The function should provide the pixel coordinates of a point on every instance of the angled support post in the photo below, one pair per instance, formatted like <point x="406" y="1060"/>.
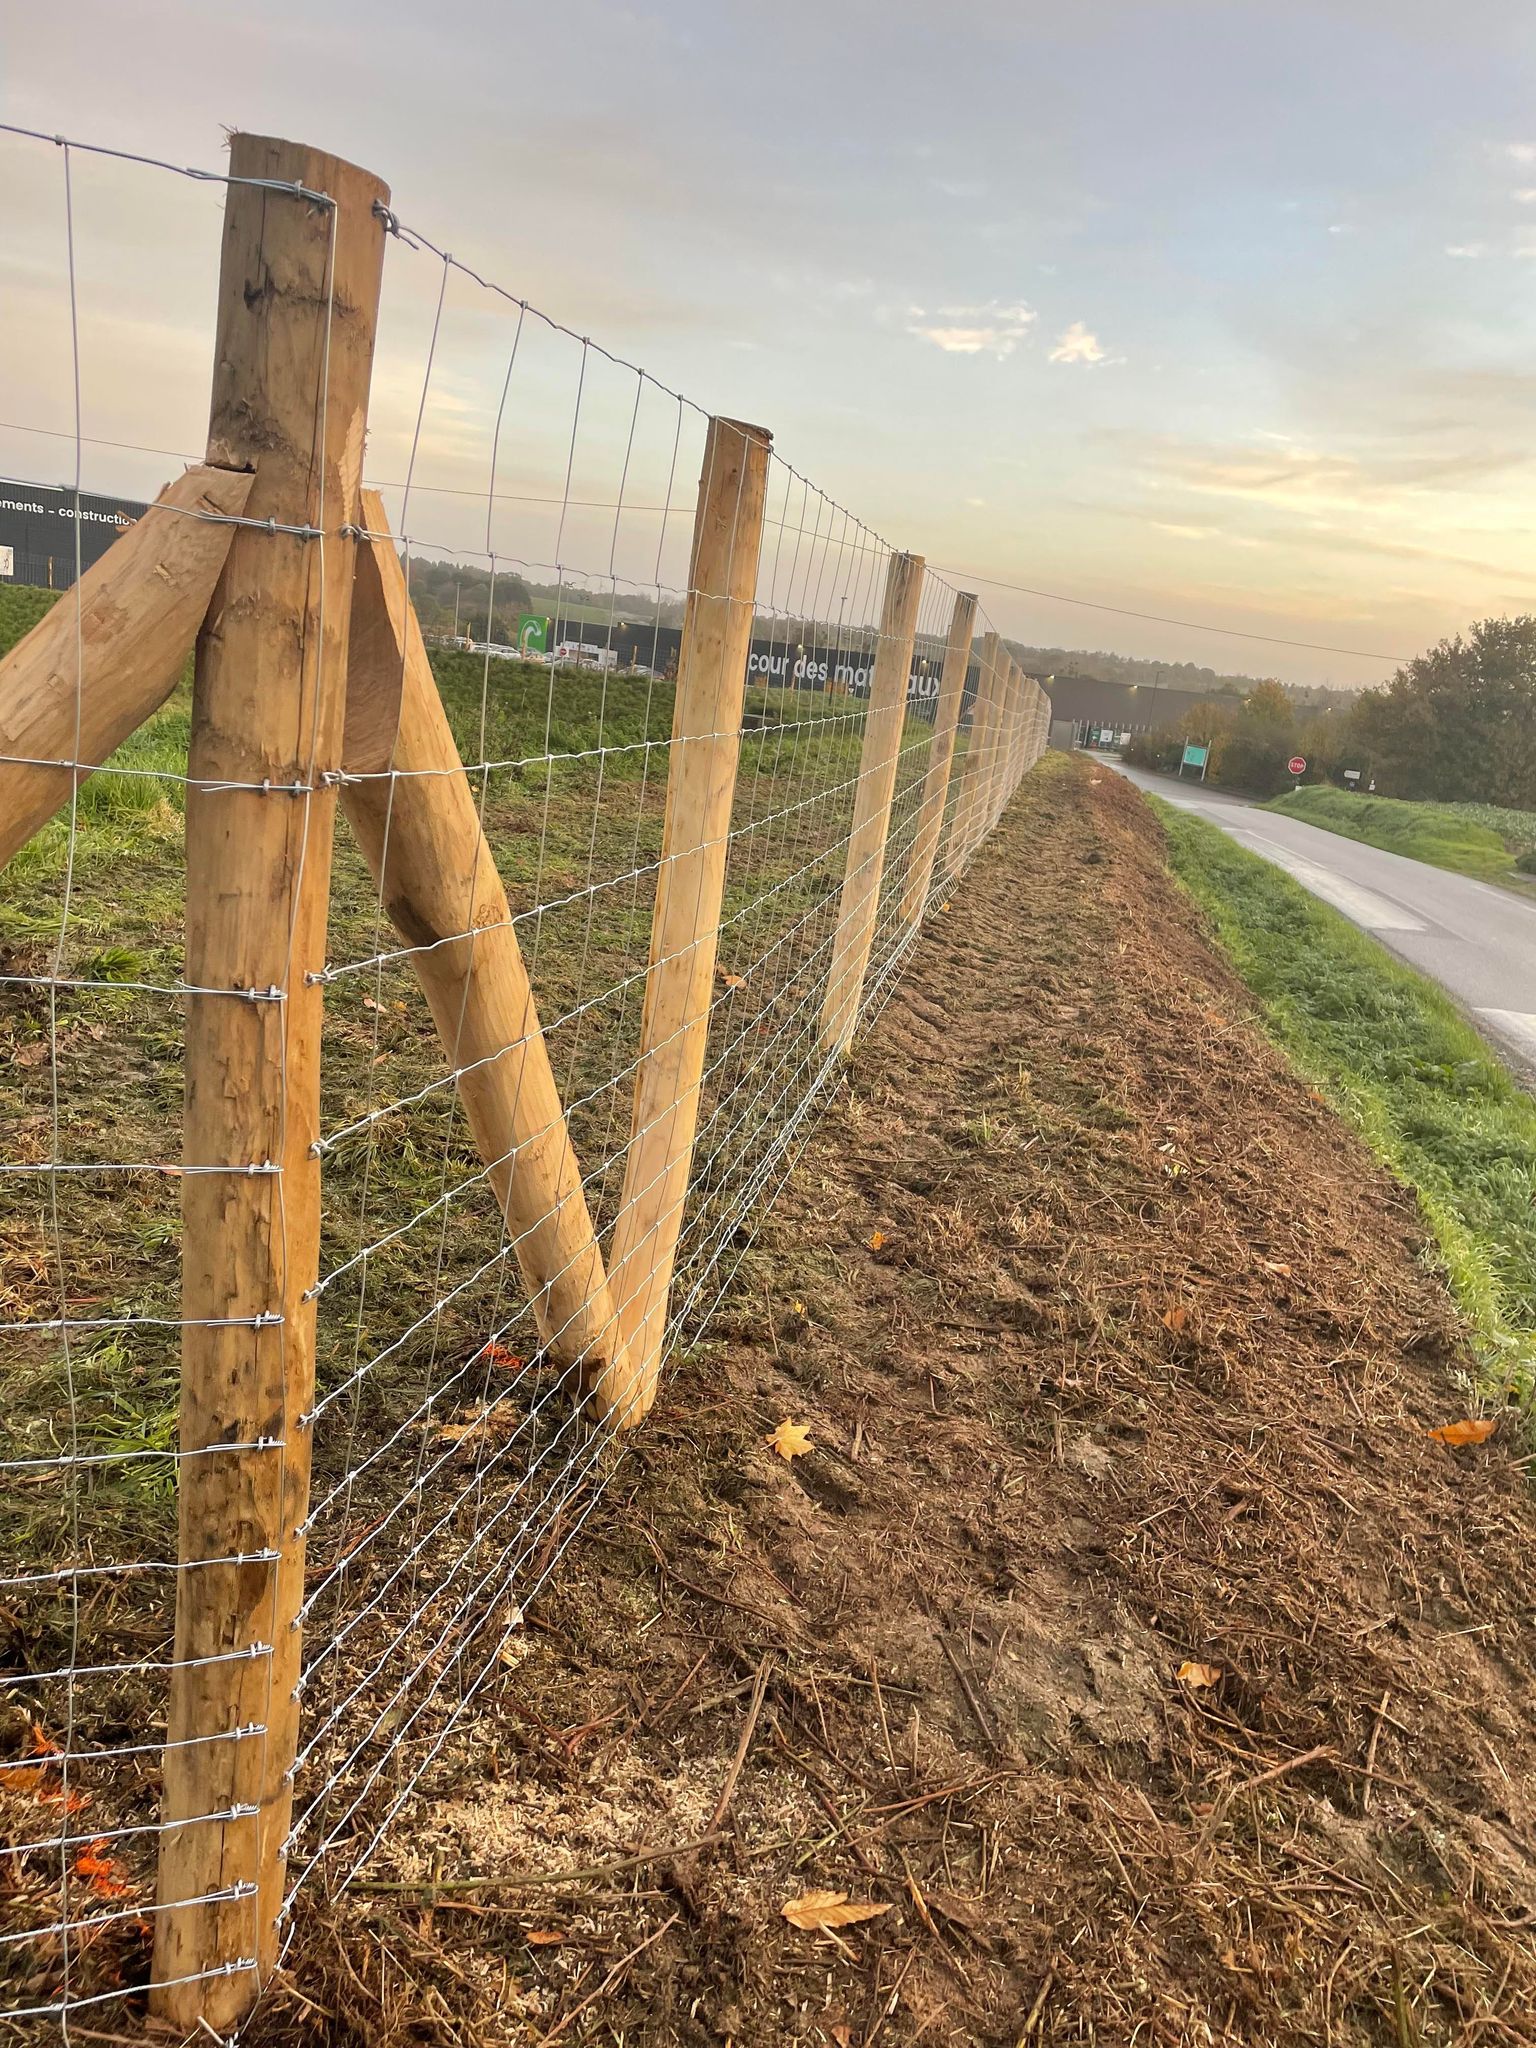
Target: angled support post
<point x="414" y="815"/>
<point x="111" y="650"/>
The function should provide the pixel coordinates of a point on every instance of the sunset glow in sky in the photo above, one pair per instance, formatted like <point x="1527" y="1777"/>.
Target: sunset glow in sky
<point x="1202" y="307"/>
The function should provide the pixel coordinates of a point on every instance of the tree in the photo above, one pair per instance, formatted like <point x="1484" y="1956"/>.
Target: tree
<point x="1459" y="723"/>
<point x="1254" y="748"/>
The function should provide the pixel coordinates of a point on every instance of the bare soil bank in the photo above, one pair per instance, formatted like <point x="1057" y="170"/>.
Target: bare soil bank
<point x="1117" y="1355"/>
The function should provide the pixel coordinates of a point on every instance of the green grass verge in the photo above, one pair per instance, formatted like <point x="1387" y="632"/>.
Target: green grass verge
<point x="1461" y="837"/>
<point x="1395" y="1055"/>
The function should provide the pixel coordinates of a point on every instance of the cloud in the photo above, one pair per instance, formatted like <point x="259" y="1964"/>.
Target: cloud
<point x="1321" y="481"/>
<point x="1524" y="195"/>
<point x="992" y="329"/>
<point x="1469" y="250"/>
<point x="1521" y="152"/>
<point x="1078" y="345"/>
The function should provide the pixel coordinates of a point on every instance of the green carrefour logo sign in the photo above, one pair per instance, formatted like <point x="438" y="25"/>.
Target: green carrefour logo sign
<point x="532" y="634"/>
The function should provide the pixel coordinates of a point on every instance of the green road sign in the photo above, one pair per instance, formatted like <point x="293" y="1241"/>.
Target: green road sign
<point x="1194" y="757"/>
<point x="532" y="634"/>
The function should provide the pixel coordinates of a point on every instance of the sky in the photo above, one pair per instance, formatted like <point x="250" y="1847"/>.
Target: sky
<point x="1205" y="308"/>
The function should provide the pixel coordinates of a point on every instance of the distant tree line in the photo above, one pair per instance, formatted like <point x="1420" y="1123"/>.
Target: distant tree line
<point x="1103" y="667"/>
<point x="458" y="597"/>
<point x="1457" y="725"/>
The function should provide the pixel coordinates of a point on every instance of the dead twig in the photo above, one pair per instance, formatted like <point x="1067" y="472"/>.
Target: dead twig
<point x="728" y="1789"/>
<point x="890" y="2004"/>
<point x="1223" y="1805"/>
<point x="608" y="1982"/>
<point x="589" y="1874"/>
<point x="1032" y="2018"/>
<point x="988" y="1734"/>
<point x="1370" y="1754"/>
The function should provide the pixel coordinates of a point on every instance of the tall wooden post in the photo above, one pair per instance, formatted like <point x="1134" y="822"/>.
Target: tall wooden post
<point x="419" y="829"/>
<point x="941" y="753"/>
<point x="969" y="825"/>
<point x="298" y="303"/>
<point x="884" y="721"/>
<point x="1013" y="734"/>
<point x="1002" y="742"/>
<point x="690" y="886"/>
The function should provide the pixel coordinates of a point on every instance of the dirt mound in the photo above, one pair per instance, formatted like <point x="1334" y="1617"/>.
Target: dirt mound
<point x="1118" y="1355"/>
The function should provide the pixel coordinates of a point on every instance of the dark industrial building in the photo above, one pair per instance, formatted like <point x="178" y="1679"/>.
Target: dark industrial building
<point x="38" y="528"/>
<point x="1125" y="707"/>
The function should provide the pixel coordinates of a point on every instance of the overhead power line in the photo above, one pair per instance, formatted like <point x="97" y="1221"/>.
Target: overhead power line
<point x="967" y="576"/>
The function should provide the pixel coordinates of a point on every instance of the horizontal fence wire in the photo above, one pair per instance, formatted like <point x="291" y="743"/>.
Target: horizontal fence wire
<point x="456" y="1453"/>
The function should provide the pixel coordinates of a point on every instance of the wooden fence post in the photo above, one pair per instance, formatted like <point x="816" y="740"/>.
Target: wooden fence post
<point x="1007" y="735"/>
<point x="297" y="309"/>
<point x="884" y="720"/>
<point x="941" y="754"/>
<point x="968" y="828"/>
<point x="690" y="886"/>
<point x="420" y="832"/>
<point x="1017" y="725"/>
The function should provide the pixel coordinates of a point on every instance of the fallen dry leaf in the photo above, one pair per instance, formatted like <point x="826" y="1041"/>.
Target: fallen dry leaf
<point x="790" y="1439"/>
<point x="543" y="1937"/>
<point x="731" y="980"/>
<point x="499" y="1355"/>
<point x="876" y="1240"/>
<point x="1176" y="1317"/>
<point x="817" y="1911"/>
<point x="1457" y="1433"/>
<point x="1276" y="1266"/>
<point x="1191" y="1673"/>
<point x="100" y="1872"/>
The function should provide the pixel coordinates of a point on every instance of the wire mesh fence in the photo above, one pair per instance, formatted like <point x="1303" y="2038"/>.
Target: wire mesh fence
<point x="360" y="1176"/>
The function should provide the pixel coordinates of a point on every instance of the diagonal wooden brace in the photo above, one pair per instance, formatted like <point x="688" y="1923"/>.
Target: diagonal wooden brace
<point x="110" y="652"/>
<point x="416" y="820"/>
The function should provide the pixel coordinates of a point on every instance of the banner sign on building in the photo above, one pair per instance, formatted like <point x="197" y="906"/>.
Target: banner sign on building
<point x="42" y="526"/>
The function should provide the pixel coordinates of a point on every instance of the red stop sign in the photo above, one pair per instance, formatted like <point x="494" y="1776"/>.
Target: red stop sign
<point x="1297" y="764"/>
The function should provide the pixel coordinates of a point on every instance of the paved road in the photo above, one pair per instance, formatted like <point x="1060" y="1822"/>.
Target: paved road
<point x="1476" y="940"/>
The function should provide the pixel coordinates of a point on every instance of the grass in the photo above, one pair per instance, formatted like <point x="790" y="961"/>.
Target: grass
<point x="1517" y="829"/>
<point x="1469" y="839"/>
<point x="1395" y="1055"/>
